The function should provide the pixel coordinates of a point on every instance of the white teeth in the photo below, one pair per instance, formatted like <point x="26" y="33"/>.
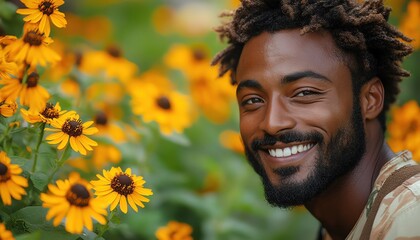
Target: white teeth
<point x="279" y="153"/>
<point x="294" y="150"/>
<point x="288" y="151"/>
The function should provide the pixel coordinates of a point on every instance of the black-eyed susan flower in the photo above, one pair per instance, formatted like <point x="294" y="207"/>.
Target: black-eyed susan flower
<point x="41" y="12"/>
<point x="110" y="62"/>
<point x="32" y="48"/>
<point x="186" y="58"/>
<point x="30" y="94"/>
<point x="11" y="183"/>
<point x="174" y="231"/>
<point x="72" y="200"/>
<point x="170" y="109"/>
<point x="211" y="94"/>
<point x="117" y="187"/>
<point x="46" y="115"/>
<point x="108" y="128"/>
<point x="8" y="108"/>
<point x="72" y="129"/>
<point x="5" y="234"/>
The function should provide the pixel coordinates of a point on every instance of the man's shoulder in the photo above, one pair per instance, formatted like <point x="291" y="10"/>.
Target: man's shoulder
<point x="399" y="210"/>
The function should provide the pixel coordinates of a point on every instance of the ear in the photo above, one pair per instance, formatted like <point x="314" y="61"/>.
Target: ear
<point x="372" y="98"/>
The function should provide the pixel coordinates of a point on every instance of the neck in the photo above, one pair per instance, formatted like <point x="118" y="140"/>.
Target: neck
<point x="339" y="207"/>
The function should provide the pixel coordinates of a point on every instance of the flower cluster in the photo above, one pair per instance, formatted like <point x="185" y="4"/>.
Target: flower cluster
<point x="32" y="176"/>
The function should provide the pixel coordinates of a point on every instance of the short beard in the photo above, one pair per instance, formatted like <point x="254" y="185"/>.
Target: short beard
<point x="340" y="156"/>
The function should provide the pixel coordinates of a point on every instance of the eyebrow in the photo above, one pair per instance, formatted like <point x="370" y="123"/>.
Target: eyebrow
<point x="248" y="84"/>
<point x="285" y="80"/>
<point x="304" y="74"/>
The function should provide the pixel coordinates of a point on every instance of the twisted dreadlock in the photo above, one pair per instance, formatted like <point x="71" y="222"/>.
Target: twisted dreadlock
<point x="360" y="29"/>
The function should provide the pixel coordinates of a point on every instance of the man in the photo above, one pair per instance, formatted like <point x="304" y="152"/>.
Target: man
<point x="314" y="82"/>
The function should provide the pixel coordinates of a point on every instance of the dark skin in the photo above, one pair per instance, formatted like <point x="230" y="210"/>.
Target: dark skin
<point x="287" y="81"/>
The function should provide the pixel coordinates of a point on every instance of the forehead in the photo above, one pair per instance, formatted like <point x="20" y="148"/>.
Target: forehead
<point x="288" y="51"/>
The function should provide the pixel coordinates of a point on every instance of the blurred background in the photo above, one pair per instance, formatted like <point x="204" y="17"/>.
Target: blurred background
<point x="199" y="175"/>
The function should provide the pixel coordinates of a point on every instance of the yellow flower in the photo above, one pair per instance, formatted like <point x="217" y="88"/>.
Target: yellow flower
<point x="108" y="128"/>
<point x="174" y="231"/>
<point x="41" y="12"/>
<point x="8" y="108"/>
<point x="6" y="68"/>
<point x="170" y="109"/>
<point x="110" y="62"/>
<point x="186" y="58"/>
<point x="5" y="234"/>
<point x="102" y="155"/>
<point x="213" y="95"/>
<point x="32" y="48"/>
<point x="232" y="140"/>
<point x="46" y="115"/>
<point x="410" y="23"/>
<point x="30" y="93"/>
<point x="117" y="187"/>
<point x="72" y="129"/>
<point x="404" y="129"/>
<point x="71" y="87"/>
<point x="11" y="183"/>
<point x="72" y="199"/>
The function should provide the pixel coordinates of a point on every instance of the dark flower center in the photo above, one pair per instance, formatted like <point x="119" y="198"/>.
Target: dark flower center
<point x="73" y="127"/>
<point x="78" y="195"/>
<point x="33" y="38"/>
<point x="199" y="54"/>
<point x="50" y="112"/>
<point x="164" y="103"/>
<point x="114" y="51"/>
<point x="101" y="118"/>
<point x="46" y="7"/>
<point x="32" y="80"/>
<point x="4" y="173"/>
<point x="123" y="184"/>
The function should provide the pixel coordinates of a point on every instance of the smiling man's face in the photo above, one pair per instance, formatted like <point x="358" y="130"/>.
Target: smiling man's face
<point x="301" y="125"/>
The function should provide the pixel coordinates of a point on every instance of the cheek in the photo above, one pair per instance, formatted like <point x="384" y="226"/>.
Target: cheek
<point x="248" y="126"/>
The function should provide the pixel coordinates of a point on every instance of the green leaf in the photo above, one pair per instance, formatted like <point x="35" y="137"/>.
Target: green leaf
<point x="180" y="139"/>
<point x="40" y="235"/>
<point x="7" y="9"/>
<point x="32" y="218"/>
<point x="40" y="180"/>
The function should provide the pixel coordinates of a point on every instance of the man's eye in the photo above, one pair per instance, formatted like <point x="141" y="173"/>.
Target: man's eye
<point x="252" y="101"/>
<point x="306" y="93"/>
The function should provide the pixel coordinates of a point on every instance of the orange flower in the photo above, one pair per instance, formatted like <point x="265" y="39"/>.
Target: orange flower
<point x="232" y="140"/>
<point x="174" y="231"/>
<point x="410" y="24"/>
<point x="404" y="129"/>
<point x="41" y="12"/>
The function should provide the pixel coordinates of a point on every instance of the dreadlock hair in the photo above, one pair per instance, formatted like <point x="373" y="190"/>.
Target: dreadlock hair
<point x="358" y="29"/>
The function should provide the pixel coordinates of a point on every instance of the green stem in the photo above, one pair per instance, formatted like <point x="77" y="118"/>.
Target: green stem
<point x="25" y="74"/>
<point x="105" y="227"/>
<point x="41" y="136"/>
<point x="59" y="162"/>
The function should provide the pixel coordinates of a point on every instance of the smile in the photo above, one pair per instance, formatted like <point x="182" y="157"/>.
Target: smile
<point x="289" y="151"/>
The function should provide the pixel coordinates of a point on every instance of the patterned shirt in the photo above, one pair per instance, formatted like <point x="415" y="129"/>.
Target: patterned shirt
<point x="398" y="216"/>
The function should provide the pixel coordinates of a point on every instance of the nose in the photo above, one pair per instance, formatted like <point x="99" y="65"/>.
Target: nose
<point x="278" y="117"/>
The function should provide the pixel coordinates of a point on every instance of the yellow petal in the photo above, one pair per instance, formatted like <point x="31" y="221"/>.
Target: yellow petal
<point x="123" y="204"/>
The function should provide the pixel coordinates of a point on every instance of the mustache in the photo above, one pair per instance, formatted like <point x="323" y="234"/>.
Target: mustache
<point x="287" y="137"/>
